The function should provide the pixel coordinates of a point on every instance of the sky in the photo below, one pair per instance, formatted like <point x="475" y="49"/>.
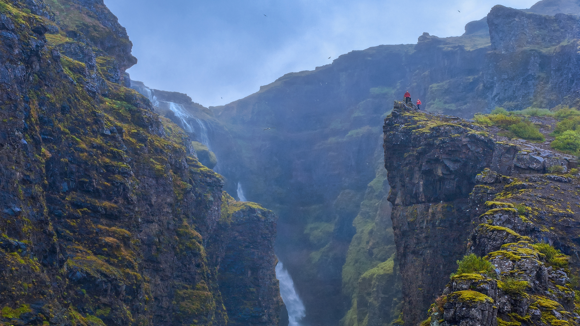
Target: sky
<point x="218" y="51"/>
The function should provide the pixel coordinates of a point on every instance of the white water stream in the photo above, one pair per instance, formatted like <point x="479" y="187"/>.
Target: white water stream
<point x="241" y="195"/>
<point x="180" y="113"/>
<point x="203" y="133"/>
<point x="294" y="305"/>
<point x="152" y="97"/>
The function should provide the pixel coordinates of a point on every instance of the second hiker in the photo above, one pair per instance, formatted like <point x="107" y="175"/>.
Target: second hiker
<point x="408" y="98"/>
<point x="419" y="104"/>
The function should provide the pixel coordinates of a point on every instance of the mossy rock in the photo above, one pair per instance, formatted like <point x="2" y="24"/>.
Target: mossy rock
<point x="469" y="296"/>
<point x="205" y="156"/>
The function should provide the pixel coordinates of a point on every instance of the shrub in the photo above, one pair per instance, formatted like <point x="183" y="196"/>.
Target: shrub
<point x="566" y="113"/>
<point x="556" y="169"/>
<point x="574" y="171"/>
<point x="522" y="209"/>
<point x="553" y="256"/>
<point x="527" y="130"/>
<point x="499" y="110"/>
<point x="534" y="112"/>
<point x="568" y="124"/>
<point x="569" y="141"/>
<point x="512" y="286"/>
<point x="504" y="121"/>
<point x="482" y="120"/>
<point x="473" y="264"/>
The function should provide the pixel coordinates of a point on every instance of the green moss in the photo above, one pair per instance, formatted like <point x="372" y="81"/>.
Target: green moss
<point x="189" y="240"/>
<point x="10" y="313"/>
<point x="57" y="39"/>
<point x="513" y="286"/>
<point x="468" y="276"/>
<point x="499" y="204"/>
<point x="469" y="296"/>
<point x="553" y="256"/>
<point x="500" y="210"/>
<point x="195" y="303"/>
<point x="493" y="228"/>
<point x="501" y="322"/>
<point x="93" y="266"/>
<point x="205" y="156"/>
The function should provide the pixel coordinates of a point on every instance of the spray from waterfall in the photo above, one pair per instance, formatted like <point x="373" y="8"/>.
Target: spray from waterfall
<point x="203" y="133"/>
<point x="294" y="305"/>
<point x="241" y="196"/>
<point x="180" y="113"/>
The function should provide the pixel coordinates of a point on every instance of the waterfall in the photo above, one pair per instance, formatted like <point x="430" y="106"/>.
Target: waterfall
<point x="241" y="196"/>
<point x="291" y="299"/>
<point x="151" y="97"/>
<point x="179" y="112"/>
<point x="203" y="133"/>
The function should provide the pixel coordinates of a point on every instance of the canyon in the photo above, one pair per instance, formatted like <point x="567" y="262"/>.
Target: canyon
<point x="126" y="205"/>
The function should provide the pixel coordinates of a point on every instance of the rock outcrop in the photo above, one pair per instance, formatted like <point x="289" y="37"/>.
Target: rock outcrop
<point x="106" y="216"/>
<point x="456" y="190"/>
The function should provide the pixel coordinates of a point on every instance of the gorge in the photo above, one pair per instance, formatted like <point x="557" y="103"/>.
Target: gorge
<point x="126" y="205"/>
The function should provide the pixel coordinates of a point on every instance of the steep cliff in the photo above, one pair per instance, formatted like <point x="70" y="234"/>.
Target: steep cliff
<point x="460" y="188"/>
<point x="107" y="218"/>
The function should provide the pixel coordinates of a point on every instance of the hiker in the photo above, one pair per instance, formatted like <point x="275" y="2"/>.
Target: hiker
<point x="419" y="104"/>
<point x="408" y="98"/>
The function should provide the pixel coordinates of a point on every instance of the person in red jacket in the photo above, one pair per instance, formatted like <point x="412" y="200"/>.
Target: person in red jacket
<point x="419" y="104"/>
<point x="408" y="98"/>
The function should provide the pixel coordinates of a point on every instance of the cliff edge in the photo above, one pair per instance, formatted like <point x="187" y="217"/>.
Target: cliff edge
<point x="460" y="189"/>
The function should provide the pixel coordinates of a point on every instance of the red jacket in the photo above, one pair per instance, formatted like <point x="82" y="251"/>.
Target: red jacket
<point x="407" y="95"/>
<point x="419" y="102"/>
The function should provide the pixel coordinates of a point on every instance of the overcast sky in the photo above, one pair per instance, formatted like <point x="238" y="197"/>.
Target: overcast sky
<point x="214" y="49"/>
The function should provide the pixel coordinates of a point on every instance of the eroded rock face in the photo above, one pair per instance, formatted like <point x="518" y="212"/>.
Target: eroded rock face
<point x="510" y="212"/>
<point x="106" y="217"/>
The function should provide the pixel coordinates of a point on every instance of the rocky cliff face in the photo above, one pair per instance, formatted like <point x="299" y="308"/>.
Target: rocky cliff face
<point x="456" y="190"/>
<point x="107" y="218"/>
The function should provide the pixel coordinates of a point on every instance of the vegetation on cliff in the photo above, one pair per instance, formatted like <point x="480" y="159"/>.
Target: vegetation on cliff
<point x="107" y="217"/>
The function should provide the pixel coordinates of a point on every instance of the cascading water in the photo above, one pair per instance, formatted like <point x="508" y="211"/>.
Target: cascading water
<point x="151" y="97"/>
<point x="181" y="114"/>
<point x="203" y="133"/>
<point x="294" y="305"/>
<point x="241" y="196"/>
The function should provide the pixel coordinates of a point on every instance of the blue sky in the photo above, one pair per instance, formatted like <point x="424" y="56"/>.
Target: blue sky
<point x="214" y="49"/>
